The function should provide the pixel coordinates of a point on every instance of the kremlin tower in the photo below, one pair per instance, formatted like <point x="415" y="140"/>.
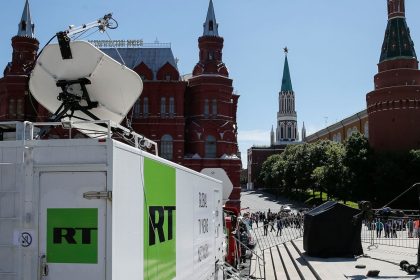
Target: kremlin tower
<point x="211" y="126"/>
<point x="394" y="105"/>
<point x="286" y="117"/>
<point x="15" y="100"/>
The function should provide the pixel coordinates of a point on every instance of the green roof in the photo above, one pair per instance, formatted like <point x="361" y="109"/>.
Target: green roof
<point x="397" y="41"/>
<point x="286" y="83"/>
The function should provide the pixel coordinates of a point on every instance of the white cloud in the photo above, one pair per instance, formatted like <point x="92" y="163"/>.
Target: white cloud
<point x="257" y="136"/>
<point x="249" y="138"/>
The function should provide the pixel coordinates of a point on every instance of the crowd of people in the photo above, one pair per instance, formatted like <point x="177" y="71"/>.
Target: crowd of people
<point x="274" y="221"/>
<point x="389" y="228"/>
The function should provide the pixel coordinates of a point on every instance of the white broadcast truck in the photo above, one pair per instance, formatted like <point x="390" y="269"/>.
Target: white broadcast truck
<point x="92" y="209"/>
<point x="96" y="208"/>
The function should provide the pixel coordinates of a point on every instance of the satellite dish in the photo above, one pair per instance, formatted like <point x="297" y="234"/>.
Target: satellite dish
<point x="220" y="174"/>
<point x="88" y="86"/>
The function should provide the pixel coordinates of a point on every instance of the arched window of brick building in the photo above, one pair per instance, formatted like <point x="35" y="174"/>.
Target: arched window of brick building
<point x="171" y="106"/>
<point x="162" y="106"/>
<point x="214" y="107"/>
<point x="210" y="147"/>
<point x="12" y="108"/>
<point x="366" y="129"/>
<point x="145" y="106"/>
<point x="282" y="131"/>
<point x="166" y="147"/>
<point x="19" y="109"/>
<point x="136" y="109"/>
<point x="349" y="132"/>
<point x="206" y="107"/>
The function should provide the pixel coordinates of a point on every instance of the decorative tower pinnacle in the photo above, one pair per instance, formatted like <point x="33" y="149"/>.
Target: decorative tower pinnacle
<point x="272" y="136"/>
<point x="303" y="132"/>
<point x="210" y="26"/>
<point x="14" y="92"/>
<point x="24" y="44"/>
<point x="26" y="27"/>
<point x="286" y="116"/>
<point x="210" y="45"/>
<point x="396" y="8"/>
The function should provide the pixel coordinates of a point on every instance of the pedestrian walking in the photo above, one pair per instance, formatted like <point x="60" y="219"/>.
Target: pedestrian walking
<point x="265" y="225"/>
<point x="279" y="226"/>
<point x="379" y="228"/>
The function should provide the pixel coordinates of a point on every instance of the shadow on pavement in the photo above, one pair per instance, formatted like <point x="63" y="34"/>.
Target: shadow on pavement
<point x="280" y="200"/>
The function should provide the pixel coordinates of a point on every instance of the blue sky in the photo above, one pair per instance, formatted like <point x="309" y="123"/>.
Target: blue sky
<point x="334" y="47"/>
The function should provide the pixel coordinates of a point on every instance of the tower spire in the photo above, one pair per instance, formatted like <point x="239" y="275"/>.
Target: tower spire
<point x="286" y="116"/>
<point x="26" y="27"/>
<point x="397" y="41"/>
<point x="210" y="26"/>
<point x="286" y="83"/>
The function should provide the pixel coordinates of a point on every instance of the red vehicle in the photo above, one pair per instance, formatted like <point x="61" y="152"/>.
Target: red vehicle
<point x="231" y="215"/>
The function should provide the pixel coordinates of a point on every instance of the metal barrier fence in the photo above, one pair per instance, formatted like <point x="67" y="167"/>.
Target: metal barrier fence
<point x="392" y="231"/>
<point x="274" y="233"/>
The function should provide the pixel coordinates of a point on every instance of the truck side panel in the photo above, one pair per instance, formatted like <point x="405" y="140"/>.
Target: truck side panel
<point x="196" y="244"/>
<point x="10" y="212"/>
<point x="181" y="219"/>
<point x="127" y="215"/>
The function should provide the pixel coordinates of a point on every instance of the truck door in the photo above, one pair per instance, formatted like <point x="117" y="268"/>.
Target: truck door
<point x="71" y="227"/>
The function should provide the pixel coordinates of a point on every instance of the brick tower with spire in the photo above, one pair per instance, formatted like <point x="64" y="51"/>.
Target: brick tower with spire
<point x="286" y="116"/>
<point x="394" y="105"/>
<point x="211" y="126"/>
<point x="15" y="100"/>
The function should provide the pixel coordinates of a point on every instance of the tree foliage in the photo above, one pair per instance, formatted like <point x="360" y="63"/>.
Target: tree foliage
<point x="349" y="171"/>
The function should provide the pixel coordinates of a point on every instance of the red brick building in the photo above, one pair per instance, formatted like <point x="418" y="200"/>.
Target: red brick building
<point x="192" y="118"/>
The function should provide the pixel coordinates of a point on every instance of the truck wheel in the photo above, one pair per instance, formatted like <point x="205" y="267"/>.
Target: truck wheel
<point x="402" y="263"/>
<point x="412" y="269"/>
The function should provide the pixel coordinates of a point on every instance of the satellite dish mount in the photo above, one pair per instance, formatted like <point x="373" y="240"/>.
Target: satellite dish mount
<point x="74" y="97"/>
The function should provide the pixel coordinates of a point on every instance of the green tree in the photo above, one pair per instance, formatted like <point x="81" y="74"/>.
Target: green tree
<point x="359" y="161"/>
<point x="329" y="175"/>
<point x="318" y="158"/>
<point x="267" y="174"/>
<point x="289" y="175"/>
<point x="303" y="168"/>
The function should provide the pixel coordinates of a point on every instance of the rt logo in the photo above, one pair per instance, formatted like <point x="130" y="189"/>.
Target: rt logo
<point x="156" y="225"/>
<point x="61" y="235"/>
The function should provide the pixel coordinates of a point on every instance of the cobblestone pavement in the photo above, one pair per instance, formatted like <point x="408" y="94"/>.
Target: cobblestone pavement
<point x="259" y="201"/>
